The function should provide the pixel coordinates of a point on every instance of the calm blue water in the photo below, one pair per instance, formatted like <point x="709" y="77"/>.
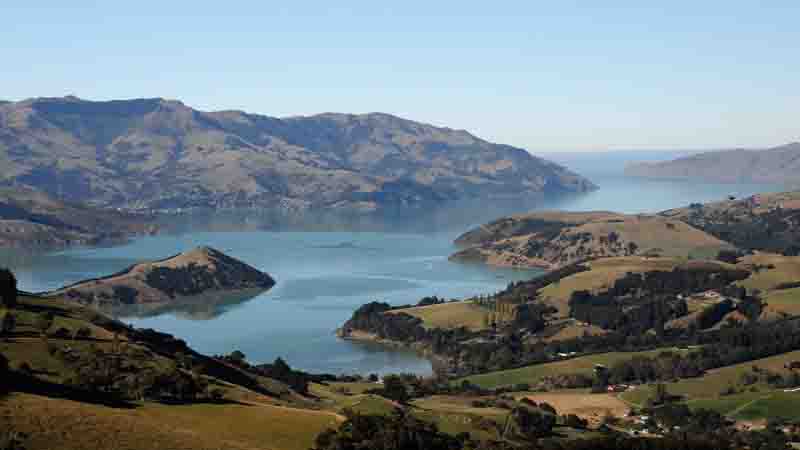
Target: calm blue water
<point x="323" y="276"/>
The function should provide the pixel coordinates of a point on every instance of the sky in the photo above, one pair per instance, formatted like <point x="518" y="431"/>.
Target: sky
<point x="543" y="75"/>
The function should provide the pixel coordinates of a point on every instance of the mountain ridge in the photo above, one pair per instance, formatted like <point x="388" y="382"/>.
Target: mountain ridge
<point x="33" y="219"/>
<point x="774" y="165"/>
<point x="161" y="154"/>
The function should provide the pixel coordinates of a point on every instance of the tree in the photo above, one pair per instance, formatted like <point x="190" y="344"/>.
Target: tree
<point x="573" y="421"/>
<point x="43" y="323"/>
<point x="660" y="395"/>
<point x="237" y="357"/>
<point x="8" y="323"/>
<point x="4" y="388"/>
<point x="533" y="423"/>
<point x="217" y="395"/>
<point x="8" y="288"/>
<point x="82" y="333"/>
<point x="394" y="389"/>
<point x="728" y="256"/>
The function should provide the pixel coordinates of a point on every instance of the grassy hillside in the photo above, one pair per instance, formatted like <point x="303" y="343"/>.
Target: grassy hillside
<point x="552" y="239"/>
<point x="532" y="374"/>
<point x="775" y="165"/>
<point x="91" y="382"/>
<point x="201" y="276"/>
<point x="449" y="315"/>
<point x="80" y="425"/>
<point x="765" y="222"/>
<point x="711" y="385"/>
<point x="604" y="272"/>
<point x="161" y="154"/>
<point x="33" y="219"/>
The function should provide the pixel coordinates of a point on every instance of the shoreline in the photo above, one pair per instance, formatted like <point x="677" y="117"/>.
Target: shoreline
<point x="439" y="363"/>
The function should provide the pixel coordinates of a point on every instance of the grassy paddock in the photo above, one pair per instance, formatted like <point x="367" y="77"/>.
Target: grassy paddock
<point x="200" y="426"/>
<point x="533" y="374"/>
<point x="603" y="274"/>
<point x="450" y="315"/>
<point x="705" y="392"/>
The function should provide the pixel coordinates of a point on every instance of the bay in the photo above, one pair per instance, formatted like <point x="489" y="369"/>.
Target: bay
<point x="323" y="276"/>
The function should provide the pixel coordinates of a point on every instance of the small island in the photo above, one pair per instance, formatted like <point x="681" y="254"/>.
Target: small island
<point x="200" y="275"/>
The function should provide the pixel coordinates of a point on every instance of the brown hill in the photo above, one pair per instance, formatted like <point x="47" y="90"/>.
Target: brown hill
<point x="30" y="218"/>
<point x="555" y="239"/>
<point x="161" y="154"/>
<point x="776" y="165"/>
<point x="89" y="382"/>
<point x="768" y="222"/>
<point x="202" y="274"/>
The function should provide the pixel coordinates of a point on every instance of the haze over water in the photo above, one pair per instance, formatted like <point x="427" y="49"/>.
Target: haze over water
<point x="324" y="276"/>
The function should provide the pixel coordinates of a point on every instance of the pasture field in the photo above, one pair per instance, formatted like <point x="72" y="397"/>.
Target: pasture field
<point x="784" y="405"/>
<point x="450" y="315"/>
<point x="604" y="273"/>
<point x="76" y="426"/>
<point x="455" y="415"/>
<point x="785" y="269"/>
<point x="785" y="301"/>
<point x="533" y="374"/>
<point x="592" y="407"/>
<point x="706" y="391"/>
<point x="754" y="406"/>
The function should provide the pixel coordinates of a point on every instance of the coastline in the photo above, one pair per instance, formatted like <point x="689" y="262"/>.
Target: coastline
<point x="439" y="364"/>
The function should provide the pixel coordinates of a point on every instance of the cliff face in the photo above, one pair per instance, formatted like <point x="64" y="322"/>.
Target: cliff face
<point x="160" y="154"/>
<point x="203" y="272"/>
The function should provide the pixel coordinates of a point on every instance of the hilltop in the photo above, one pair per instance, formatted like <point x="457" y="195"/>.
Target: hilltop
<point x="555" y="239"/>
<point x="552" y="239"/>
<point x="769" y="222"/>
<point x="84" y="380"/>
<point x="161" y="154"/>
<point x="197" y="276"/>
<point x="775" y="165"/>
<point x="31" y="218"/>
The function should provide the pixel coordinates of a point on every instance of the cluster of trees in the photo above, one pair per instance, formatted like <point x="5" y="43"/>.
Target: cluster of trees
<point x="194" y="279"/>
<point x="123" y="372"/>
<point x="634" y="304"/>
<point x="400" y="431"/>
<point x="526" y="291"/>
<point x="638" y="302"/>
<point x="777" y="230"/>
<point x="530" y="427"/>
<point x="4" y="372"/>
<point x="725" y="347"/>
<point x="280" y="370"/>
<point x="12" y="440"/>
<point x="8" y="288"/>
<point x="428" y="301"/>
<point x="678" y="421"/>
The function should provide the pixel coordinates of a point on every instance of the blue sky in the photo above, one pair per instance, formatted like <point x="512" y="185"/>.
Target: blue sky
<point x="546" y="76"/>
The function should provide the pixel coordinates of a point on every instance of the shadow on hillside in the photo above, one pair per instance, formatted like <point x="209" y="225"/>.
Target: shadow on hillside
<point x="226" y="402"/>
<point x="29" y="385"/>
